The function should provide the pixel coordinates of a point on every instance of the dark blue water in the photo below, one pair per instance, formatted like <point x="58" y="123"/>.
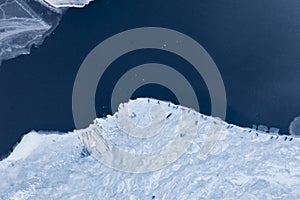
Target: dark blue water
<point x="255" y="44"/>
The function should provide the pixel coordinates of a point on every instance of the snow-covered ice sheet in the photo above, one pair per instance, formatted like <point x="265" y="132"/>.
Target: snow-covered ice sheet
<point x="223" y="161"/>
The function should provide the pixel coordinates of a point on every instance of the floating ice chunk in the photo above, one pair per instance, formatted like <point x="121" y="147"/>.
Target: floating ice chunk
<point x="274" y="130"/>
<point x="24" y="23"/>
<point x="263" y="128"/>
<point x="68" y="3"/>
<point x="295" y="127"/>
<point x="254" y="126"/>
<point x="239" y="163"/>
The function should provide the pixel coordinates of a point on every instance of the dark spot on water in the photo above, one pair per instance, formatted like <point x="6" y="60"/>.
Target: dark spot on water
<point x="153" y="196"/>
<point x="291" y="139"/>
<point x="271" y="137"/>
<point x="256" y="134"/>
<point x="196" y="122"/>
<point x="182" y="134"/>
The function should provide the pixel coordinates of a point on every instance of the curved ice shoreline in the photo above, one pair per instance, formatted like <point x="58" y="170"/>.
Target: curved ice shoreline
<point x="243" y="164"/>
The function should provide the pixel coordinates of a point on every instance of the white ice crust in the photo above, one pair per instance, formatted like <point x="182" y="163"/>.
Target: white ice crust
<point x="223" y="161"/>
<point x="67" y="3"/>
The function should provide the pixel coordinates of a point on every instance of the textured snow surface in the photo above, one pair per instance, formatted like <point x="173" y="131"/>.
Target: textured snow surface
<point x="223" y="162"/>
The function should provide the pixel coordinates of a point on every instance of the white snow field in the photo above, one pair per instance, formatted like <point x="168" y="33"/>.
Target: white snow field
<point x="140" y="153"/>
